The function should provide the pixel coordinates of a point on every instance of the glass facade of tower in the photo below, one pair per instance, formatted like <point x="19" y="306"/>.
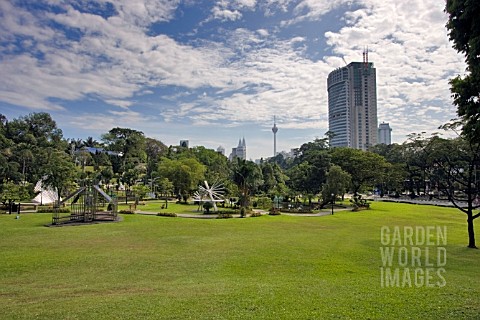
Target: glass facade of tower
<point x="338" y="113"/>
<point x="352" y="106"/>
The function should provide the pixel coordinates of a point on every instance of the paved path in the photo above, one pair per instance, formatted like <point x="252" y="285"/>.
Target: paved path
<point x="433" y="202"/>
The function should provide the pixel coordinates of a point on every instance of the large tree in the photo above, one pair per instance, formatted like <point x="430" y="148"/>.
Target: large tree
<point x="455" y="163"/>
<point x="366" y="168"/>
<point x="464" y="30"/>
<point x="310" y="167"/>
<point x="185" y="174"/>
<point x="337" y="184"/>
<point x="129" y="143"/>
<point x="59" y="172"/>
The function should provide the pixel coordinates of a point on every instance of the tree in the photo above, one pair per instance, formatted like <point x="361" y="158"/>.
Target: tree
<point x="364" y="167"/>
<point x="165" y="187"/>
<point x="455" y="163"/>
<point x="91" y="142"/>
<point x="185" y="174"/>
<point x="12" y="192"/>
<point x="217" y="165"/>
<point x="310" y="167"/>
<point x="154" y="149"/>
<point x="59" y="171"/>
<point x="129" y="143"/>
<point x="248" y="177"/>
<point x="400" y="162"/>
<point x="36" y="128"/>
<point x="336" y="185"/>
<point x="416" y="164"/>
<point x="140" y="192"/>
<point x="269" y="181"/>
<point x="464" y="31"/>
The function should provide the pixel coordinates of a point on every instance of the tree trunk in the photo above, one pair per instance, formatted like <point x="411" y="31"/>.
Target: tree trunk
<point x="471" y="232"/>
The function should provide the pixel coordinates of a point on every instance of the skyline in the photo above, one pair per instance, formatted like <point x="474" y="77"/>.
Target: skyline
<point x="213" y="71"/>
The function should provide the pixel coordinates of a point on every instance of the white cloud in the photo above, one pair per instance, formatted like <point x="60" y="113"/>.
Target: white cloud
<point x="249" y="75"/>
<point x="413" y="57"/>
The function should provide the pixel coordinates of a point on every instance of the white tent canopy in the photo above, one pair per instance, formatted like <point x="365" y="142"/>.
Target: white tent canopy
<point x="46" y="195"/>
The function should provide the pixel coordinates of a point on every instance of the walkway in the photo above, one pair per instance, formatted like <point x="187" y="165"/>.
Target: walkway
<point x="433" y="202"/>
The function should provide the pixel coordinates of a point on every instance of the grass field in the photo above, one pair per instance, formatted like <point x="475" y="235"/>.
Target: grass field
<point x="270" y="267"/>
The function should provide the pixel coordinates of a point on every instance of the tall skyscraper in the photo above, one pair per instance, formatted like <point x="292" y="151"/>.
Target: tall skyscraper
<point x="240" y="151"/>
<point x="274" y="130"/>
<point x="384" y="133"/>
<point x="352" y="105"/>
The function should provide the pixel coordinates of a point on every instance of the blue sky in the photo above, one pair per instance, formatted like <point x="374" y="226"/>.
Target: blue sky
<point x="215" y="71"/>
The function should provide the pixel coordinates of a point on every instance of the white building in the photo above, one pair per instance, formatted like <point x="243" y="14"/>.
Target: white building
<point x="352" y="106"/>
<point x="240" y="151"/>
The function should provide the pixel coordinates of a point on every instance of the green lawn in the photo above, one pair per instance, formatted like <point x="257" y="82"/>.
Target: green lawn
<point x="270" y="267"/>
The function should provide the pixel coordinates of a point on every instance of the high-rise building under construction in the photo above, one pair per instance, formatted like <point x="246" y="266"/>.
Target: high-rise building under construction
<point x="352" y="105"/>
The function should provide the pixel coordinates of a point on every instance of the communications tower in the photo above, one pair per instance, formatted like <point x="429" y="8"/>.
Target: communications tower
<point x="274" y="130"/>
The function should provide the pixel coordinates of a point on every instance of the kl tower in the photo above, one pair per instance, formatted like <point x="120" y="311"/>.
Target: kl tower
<point x="274" y="130"/>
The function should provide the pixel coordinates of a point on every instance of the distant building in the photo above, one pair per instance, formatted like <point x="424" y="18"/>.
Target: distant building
<point x="352" y="105"/>
<point x="384" y="133"/>
<point x="221" y="150"/>
<point x="240" y="151"/>
<point x="184" y="143"/>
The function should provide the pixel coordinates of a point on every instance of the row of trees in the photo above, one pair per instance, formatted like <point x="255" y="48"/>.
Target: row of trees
<point x="32" y="148"/>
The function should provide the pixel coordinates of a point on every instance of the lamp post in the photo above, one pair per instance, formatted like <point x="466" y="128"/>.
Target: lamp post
<point x="333" y="195"/>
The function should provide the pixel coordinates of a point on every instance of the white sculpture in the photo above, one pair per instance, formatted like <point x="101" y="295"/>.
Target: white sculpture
<point x="213" y="194"/>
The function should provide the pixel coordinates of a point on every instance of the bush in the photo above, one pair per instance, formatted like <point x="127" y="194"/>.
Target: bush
<point x="224" y="216"/>
<point x="127" y="211"/>
<point x="297" y="210"/>
<point x="274" y="212"/>
<point x="207" y="206"/>
<point x="359" y="204"/>
<point x="166" y="214"/>
<point x="50" y="210"/>
<point x="264" y="202"/>
<point x="255" y="214"/>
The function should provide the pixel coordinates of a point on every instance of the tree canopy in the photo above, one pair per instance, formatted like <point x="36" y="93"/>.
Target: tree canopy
<point x="464" y="31"/>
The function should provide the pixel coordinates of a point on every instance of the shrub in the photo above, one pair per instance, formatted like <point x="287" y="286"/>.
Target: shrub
<point x="127" y="211"/>
<point x="264" y="202"/>
<point x="359" y="204"/>
<point x="50" y="209"/>
<point x="224" y="216"/>
<point x="274" y="212"/>
<point x="297" y="210"/>
<point x="255" y="214"/>
<point x="207" y="206"/>
<point x="166" y="214"/>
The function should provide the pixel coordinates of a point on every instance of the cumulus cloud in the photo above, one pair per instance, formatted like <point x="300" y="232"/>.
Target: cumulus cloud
<point x="413" y="57"/>
<point x="111" y="53"/>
